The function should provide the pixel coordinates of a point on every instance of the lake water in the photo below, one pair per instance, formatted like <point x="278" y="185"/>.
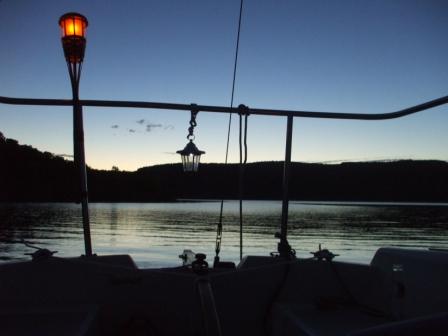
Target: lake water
<point x="154" y="234"/>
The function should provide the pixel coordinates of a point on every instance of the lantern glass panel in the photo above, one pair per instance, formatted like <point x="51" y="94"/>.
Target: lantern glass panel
<point x="73" y="26"/>
<point x="185" y="162"/>
<point x="196" y="159"/>
<point x="190" y="162"/>
<point x="188" y="167"/>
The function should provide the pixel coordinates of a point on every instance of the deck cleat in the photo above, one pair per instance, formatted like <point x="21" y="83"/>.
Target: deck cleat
<point x="200" y="266"/>
<point x="324" y="254"/>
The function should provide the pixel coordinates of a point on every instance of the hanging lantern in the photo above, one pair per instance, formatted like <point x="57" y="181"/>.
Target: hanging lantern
<point x="73" y="27"/>
<point x="191" y="157"/>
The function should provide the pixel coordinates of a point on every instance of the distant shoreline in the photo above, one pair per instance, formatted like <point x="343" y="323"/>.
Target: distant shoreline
<point x="33" y="176"/>
<point x="324" y="203"/>
<point x="337" y="203"/>
<point x="373" y="204"/>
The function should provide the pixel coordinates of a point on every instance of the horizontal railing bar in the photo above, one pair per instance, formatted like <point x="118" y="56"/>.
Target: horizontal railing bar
<point x="224" y="109"/>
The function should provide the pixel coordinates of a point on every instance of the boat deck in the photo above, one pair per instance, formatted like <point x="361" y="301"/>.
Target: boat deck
<point x="401" y="290"/>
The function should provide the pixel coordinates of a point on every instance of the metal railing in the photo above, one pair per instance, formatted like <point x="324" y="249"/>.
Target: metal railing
<point x="225" y="109"/>
<point x="283" y="246"/>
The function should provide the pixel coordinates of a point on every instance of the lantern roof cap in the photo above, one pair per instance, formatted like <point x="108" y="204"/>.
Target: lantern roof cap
<point x="190" y="148"/>
<point x="73" y="14"/>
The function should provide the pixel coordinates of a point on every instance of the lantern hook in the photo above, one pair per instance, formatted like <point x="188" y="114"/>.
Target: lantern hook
<point x="193" y="123"/>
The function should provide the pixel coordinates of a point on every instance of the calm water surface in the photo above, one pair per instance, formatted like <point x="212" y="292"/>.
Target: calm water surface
<point x="154" y="234"/>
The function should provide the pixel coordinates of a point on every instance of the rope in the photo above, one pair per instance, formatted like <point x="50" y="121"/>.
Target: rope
<point x="245" y="138"/>
<point x="243" y="110"/>
<point x="240" y="186"/>
<point x="219" y="228"/>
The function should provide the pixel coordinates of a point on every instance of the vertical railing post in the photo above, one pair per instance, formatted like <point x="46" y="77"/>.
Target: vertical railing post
<point x="284" y="248"/>
<point x="79" y="156"/>
<point x="82" y="173"/>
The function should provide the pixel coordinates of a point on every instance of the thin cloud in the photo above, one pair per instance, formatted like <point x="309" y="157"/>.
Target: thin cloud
<point x="149" y="127"/>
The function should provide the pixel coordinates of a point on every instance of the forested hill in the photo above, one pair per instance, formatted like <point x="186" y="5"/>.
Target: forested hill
<point x="27" y="174"/>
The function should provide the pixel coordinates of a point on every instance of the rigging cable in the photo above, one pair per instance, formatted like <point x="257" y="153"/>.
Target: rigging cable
<point x="219" y="229"/>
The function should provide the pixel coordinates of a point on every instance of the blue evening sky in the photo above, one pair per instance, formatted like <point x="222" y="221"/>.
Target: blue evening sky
<point x="352" y="56"/>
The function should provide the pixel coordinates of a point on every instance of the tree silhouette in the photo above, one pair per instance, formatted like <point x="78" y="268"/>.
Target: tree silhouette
<point x="27" y="174"/>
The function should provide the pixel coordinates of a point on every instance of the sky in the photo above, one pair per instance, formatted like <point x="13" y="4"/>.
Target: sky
<point x="344" y="56"/>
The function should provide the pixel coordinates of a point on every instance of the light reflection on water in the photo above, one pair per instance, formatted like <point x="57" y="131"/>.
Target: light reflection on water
<point x="156" y="233"/>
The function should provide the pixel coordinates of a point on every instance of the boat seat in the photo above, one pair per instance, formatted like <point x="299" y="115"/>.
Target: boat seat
<point x="434" y="325"/>
<point x="420" y="276"/>
<point x="322" y="298"/>
<point x="243" y="297"/>
<point x="257" y="261"/>
<point x="49" y="320"/>
<point x="343" y="321"/>
<point x="309" y="320"/>
<point x="400" y="289"/>
<point x="120" y="260"/>
<point x="121" y="293"/>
